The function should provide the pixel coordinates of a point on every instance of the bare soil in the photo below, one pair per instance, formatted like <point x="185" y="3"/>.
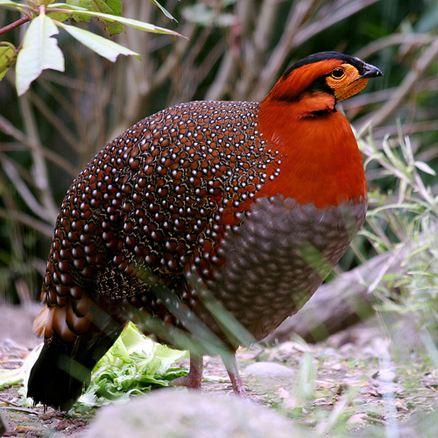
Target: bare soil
<point x="374" y="370"/>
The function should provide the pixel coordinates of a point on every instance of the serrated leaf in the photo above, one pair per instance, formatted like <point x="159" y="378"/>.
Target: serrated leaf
<point x="7" y="57"/>
<point x="424" y="167"/>
<point x="40" y="52"/>
<point x="136" y="24"/>
<point x="104" y="47"/>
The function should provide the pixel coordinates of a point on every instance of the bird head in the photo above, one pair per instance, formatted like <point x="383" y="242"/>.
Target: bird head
<point x="334" y="74"/>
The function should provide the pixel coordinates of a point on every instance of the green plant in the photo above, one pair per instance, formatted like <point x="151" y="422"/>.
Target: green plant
<point x="40" y="51"/>
<point x="133" y="365"/>
<point x="405" y="218"/>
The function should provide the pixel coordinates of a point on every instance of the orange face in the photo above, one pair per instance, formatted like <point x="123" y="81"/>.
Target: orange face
<point x="330" y="74"/>
<point x="346" y="81"/>
<point x="321" y="163"/>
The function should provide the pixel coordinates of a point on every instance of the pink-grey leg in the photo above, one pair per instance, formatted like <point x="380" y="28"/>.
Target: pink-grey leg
<point x="233" y="373"/>
<point x="194" y="378"/>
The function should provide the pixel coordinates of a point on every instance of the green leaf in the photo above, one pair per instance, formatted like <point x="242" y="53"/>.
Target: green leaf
<point x="113" y="7"/>
<point x="424" y="167"/>
<point x="40" y="52"/>
<point x="10" y="378"/>
<point x="58" y="16"/>
<point x="11" y="4"/>
<point x="7" y="57"/>
<point x="133" y="365"/>
<point x="136" y="24"/>
<point x="104" y="47"/>
<point x="66" y="5"/>
<point x="163" y="10"/>
<point x="62" y="16"/>
<point x="306" y="378"/>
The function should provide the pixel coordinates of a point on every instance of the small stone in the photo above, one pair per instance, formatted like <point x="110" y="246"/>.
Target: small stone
<point x="177" y="413"/>
<point x="268" y="370"/>
<point x="357" y="419"/>
<point x="268" y="377"/>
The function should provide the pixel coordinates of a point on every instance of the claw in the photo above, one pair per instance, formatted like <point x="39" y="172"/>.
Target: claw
<point x="233" y="373"/>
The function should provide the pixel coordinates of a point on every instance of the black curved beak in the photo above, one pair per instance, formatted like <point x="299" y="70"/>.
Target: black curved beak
<point x="370" y="71"/>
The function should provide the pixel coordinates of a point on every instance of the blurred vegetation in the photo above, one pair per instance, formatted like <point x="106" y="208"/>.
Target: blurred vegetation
<point x="234" y="50"/>
<point x="405" y="218"/>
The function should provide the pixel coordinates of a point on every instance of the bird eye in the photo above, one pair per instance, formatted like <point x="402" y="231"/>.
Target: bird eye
<point x="338" y="73"/>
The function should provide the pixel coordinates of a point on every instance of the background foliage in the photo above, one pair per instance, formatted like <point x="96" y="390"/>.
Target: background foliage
<point x="233" y="50"/>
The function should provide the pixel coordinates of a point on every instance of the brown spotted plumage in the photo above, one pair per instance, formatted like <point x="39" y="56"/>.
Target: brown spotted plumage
<point x="193" y="224"/>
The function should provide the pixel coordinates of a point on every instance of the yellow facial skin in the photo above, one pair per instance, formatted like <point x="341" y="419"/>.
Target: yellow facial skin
<point x="346" y="81"/>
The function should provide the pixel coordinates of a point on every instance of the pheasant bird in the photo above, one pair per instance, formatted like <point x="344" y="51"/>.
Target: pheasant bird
<point x="207" y="223"/>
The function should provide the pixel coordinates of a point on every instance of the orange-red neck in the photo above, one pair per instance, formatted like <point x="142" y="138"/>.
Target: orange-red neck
<point x="321" y="163"/>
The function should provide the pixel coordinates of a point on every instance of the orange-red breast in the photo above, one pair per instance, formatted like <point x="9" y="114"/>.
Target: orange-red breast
<point x="207" y="223"/>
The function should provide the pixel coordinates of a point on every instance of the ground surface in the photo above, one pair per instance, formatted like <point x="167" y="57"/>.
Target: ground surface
<point x="367" y="374"/>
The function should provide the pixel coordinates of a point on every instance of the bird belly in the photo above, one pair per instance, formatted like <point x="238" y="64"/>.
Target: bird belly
<point x="277" y="258"/>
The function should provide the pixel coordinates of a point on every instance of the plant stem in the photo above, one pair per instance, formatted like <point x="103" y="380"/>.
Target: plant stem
<point x="13" y="25"/>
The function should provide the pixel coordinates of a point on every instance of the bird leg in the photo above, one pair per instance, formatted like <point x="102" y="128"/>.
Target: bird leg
<point x="233" y="373"/>
<point x="194" y="378"/>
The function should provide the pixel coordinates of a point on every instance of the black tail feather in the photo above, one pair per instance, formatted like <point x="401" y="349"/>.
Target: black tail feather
<point x="63" y="370"/>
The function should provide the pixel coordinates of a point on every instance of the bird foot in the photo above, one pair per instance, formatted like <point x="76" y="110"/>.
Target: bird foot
<point x="194" y="378"/>
<point x="238" y="386"/>
<point x="235" y="379"/>
<point x="188" y="381"/>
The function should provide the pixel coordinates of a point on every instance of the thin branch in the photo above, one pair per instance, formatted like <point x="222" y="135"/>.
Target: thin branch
<point x="9" y="129"/>
<point x="168" y="66"/>
<point x="207" y="63"/>
<point x="141" y="72"/>
<point x="360" y="100"/>
<point x="409" y="129"/>
<point x="15" y="233"/>
<point x="137" y="102"/>
<point x="256" y="49"/>
<point x="54" y="120"/>
<point x="27" y="220"/>
<point x="392" y="40"/>
<point x="345" y="11"/>
<point x="62" y="98"/>
<point x="22" y="170"/>
<point x="13" y="25"/>
<point x="284" y="46"/>
<point x="23" y="189"/>
<point x="178" y="87"/>
<point x="222" y="80"/>
<point x="40" y="168"/>
<point x="408" y="84"/>
<point x="68" y="81"/>
<point x="295" y="36"/>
